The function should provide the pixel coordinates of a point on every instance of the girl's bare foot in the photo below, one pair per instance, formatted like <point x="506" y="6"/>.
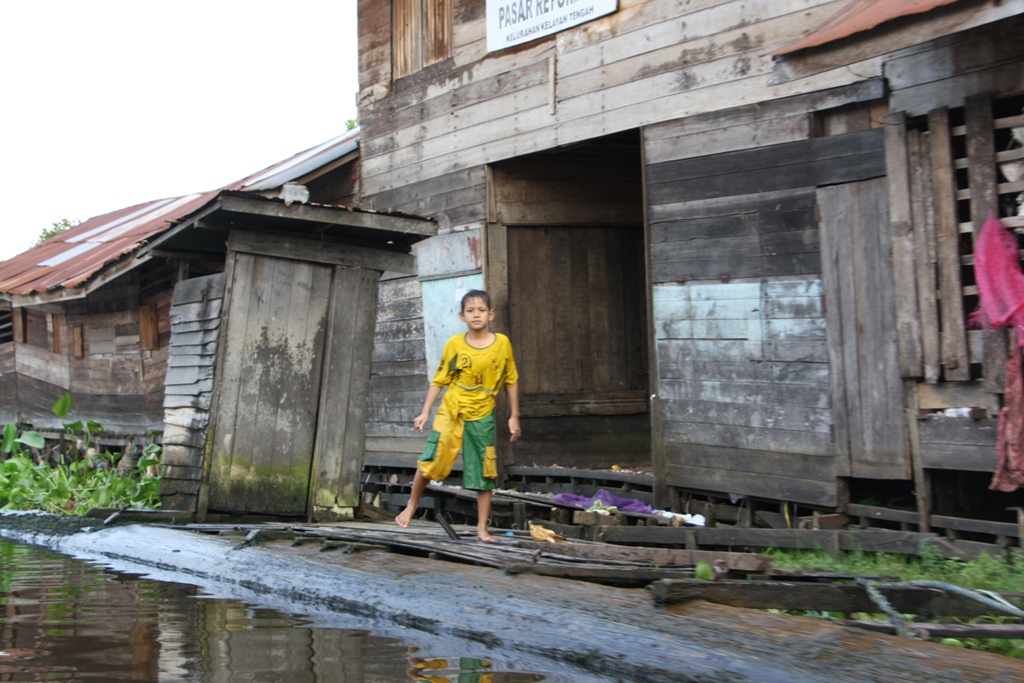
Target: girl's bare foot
<point x="404" y="519"/>
<point x="484" y="536"/>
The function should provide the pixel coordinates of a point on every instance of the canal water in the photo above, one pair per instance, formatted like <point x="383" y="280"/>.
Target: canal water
<point x="62" y="619"/>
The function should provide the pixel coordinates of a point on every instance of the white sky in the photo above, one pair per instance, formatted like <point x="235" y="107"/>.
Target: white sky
<point x="109" y="103"/>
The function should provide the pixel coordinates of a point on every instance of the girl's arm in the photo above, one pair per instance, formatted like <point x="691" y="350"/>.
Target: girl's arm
<point x="513" y="420"/>
<point x="432" y="393"/>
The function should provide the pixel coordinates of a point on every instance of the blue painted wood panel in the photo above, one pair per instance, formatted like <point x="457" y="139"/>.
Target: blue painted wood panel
<point x="442" y="301"/>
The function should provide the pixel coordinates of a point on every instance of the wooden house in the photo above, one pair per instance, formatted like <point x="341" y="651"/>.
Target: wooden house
<point x="730" y="240"/>
<point x="240" y="322"/>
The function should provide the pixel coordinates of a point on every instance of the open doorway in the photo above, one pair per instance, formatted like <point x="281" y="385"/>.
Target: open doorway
<point x="566" y="254"/>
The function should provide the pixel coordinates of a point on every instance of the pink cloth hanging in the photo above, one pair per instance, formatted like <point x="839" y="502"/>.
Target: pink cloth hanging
<point x="1000" y="280"/>
<point x="1001" y="291"/>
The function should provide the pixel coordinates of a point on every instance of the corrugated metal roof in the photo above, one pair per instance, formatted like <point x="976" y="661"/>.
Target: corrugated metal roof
<point x="860" y="15"/>
<point x="70" y="259"/>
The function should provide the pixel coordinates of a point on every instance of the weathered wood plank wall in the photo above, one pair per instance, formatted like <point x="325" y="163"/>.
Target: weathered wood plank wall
<point x="949" y="139"/>
<point x="743" y="375"/>
<point x="8" y="385"/>
<point x="730" y="196"/>
<point x="93" y="348"/>
<point x="195" y="321"/>
<point x="399" y="375"/>
<point x="651" y="61"/>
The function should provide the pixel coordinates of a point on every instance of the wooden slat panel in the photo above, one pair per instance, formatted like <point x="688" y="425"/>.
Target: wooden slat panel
<point x="862" y="312"/>
<point x="340" y="441"/>
<point x="406" y="36"/>
<point x="925" y="253"/>
<point x="776" y="485"/>
<point x="264" y="428"/>
<point x="437" y="30"/>
<point x="805" y="163"/>
<point x="599" y="347"/>
<point x="959" y="443"/>
<point x="955" y="361"/>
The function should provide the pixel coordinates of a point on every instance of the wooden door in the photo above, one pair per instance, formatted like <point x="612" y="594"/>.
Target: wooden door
<point x="269" y="386"/>
<point x="866" y="387"/>
<point x="577" y="320"/>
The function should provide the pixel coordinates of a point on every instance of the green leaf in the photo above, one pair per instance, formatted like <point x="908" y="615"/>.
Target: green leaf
<point x="153" y="449"/>
<point x="93" y="426"/>
<point x="73" y="426"/>
<point x="146" y="462"/>
<point x="32" y="440"/>
<point x="10" y="434"/>
<point x="63" y="406"/>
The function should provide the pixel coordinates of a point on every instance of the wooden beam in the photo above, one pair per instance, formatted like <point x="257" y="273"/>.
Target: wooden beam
<point x="923" y="602"/>
<point x="282" y="246"/>
<point x="18" y="322"/>
<point x="329" y="215"/>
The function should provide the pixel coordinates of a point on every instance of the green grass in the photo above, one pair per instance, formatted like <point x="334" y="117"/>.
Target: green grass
<point x="984" y="573"/>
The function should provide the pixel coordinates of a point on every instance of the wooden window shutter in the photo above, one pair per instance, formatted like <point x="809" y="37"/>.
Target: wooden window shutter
<point x="406" y="37"/>
<point x="58" y="336"/>
<point x="149" y="334"/>
<point x="77" y="341"/>
<point x="437" y="30"/>
<point x="6" y="326"/>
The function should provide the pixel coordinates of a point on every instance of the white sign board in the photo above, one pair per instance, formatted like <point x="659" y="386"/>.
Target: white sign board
<point x="513" y="22"/>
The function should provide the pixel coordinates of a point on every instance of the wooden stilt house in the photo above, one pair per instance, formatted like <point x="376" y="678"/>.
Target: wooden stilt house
<point x="731" y="241"/>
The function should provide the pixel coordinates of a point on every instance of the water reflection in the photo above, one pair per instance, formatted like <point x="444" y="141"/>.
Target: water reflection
<point x="65" y="620"/>
<point x="462" y="670"/>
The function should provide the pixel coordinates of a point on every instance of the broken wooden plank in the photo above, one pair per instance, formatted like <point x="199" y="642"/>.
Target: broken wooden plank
<point x="602" y="574"/>
<point x="869" y="540"/>
<point x="749" y="562"/>
<point x="923" y="602"/>
<point x="930" y="630"/>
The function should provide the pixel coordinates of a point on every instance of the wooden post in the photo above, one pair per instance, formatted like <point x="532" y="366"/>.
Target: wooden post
<point x="922" y="483"/>
<point x="18" y="323"/>
<point x="947" y="234"/>
<point x="981" y="174"/>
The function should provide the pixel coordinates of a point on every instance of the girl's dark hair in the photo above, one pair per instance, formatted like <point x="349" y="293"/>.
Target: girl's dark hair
<point x="476" y="294"/>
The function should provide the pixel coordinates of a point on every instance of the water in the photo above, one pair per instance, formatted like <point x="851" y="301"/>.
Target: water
<point x="67" y="620"/>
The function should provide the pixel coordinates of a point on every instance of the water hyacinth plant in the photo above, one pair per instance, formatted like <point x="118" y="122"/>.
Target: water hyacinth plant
<point x="87" y="479"/>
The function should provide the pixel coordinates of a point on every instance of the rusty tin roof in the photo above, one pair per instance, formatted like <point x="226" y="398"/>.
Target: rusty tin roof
<point x="859" y="15"/>
<point x="74" y="258"/>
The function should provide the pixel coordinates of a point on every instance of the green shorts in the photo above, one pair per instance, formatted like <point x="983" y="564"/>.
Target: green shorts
<point x="474" y="437"/>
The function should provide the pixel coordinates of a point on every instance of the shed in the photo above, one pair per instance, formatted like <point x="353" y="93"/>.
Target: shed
<point x="278" y="263"/>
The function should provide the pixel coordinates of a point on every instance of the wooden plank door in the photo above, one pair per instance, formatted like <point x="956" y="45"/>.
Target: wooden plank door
<point x="578" y="324"/>
<point x="866" y="387"/>
<point x="269" y="386"/>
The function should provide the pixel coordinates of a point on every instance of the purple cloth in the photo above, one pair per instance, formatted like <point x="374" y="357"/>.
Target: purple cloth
<point x="605" y="498"/>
